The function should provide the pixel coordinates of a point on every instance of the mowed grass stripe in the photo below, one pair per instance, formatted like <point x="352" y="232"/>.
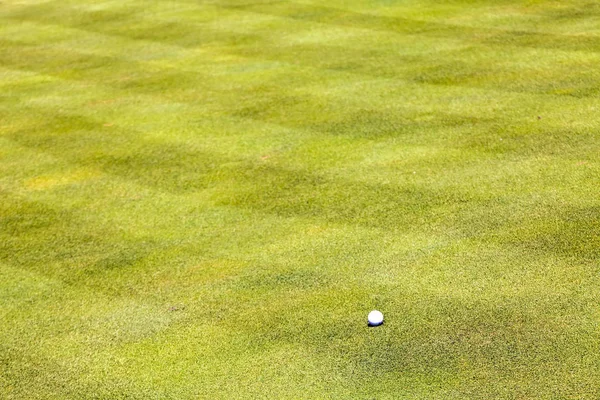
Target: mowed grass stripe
<point x="394" y="126"/>
<point x="180" y="169"/>
<point x="545" y="140"/>
<point x="499" y="36"/>
<point x="79" y="326"/>
<point x="486" y="217"/>
<point x="352" y="19"/>
<point x="400" y="120"/>
<point x="583" y="229"/>
<point x="313" y="339"/>
<point x="176" y="78"/>
<point x="141" y="24"/>
<point x="101" y="389"/>
<point x="449" y="72"/>
<point x="177" y="170"/>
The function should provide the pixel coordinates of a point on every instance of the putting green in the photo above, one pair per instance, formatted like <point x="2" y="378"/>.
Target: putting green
<point x="204" y="199"/>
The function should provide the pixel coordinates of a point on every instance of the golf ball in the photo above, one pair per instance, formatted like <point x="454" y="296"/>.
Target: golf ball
<point x="375" y="318"/>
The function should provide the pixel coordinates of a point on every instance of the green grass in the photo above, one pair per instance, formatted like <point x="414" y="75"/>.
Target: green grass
<point x="204" y="199"/>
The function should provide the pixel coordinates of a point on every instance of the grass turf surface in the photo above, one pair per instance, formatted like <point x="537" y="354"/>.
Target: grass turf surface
<point x="205" y="199"/>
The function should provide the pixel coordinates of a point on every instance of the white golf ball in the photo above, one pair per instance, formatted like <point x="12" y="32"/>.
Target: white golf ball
<point x="375" y="318"/>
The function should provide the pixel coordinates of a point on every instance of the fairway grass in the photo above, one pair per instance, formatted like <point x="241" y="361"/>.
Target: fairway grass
<point x="204" y="199"/>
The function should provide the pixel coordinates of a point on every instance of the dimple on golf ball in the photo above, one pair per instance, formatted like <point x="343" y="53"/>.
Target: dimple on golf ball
<point x="375" y="318"/>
